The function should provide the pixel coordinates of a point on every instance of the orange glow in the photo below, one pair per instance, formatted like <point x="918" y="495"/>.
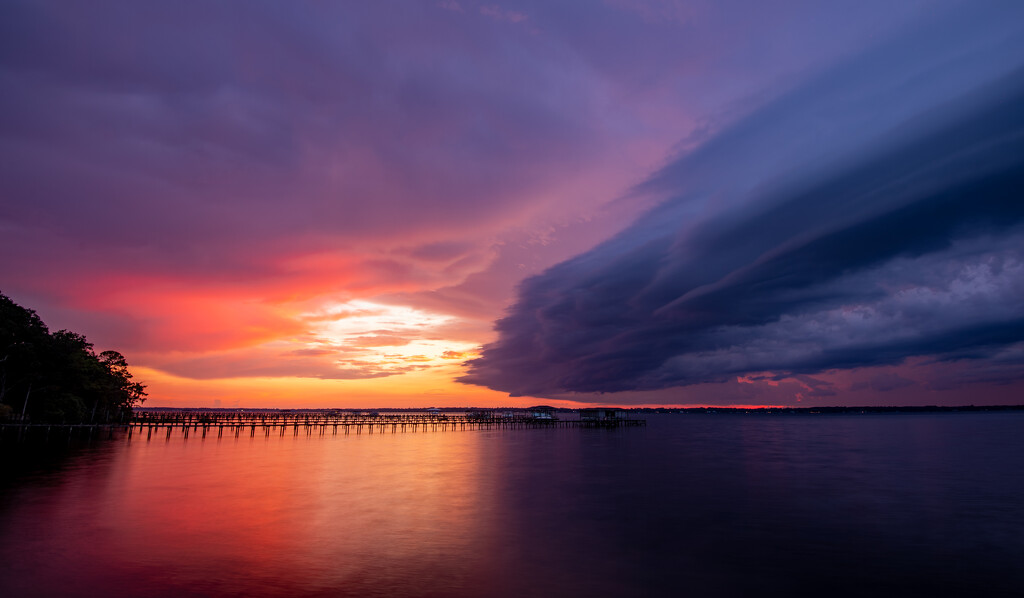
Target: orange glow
<point x="268" y="344"/>
<point x="418" y="389"/>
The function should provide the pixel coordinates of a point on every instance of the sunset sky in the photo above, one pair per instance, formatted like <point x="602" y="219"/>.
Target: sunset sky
<point x="372" y="204"/>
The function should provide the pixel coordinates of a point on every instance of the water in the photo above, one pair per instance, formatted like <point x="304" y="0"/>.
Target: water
<point x="691" y="505"/>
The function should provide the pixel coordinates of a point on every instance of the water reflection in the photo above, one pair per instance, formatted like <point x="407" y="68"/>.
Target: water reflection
<point x="704" y="506"/>
<point x="252" y="516"/>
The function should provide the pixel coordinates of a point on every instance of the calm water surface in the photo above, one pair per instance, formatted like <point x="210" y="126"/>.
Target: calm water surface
<point x="693" y="505"/>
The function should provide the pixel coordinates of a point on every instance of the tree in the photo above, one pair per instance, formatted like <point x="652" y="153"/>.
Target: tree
<point x="121" y="392"/>
<point x="58" y="377"/>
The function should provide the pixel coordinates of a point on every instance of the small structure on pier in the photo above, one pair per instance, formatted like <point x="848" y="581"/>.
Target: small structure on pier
<point x="603" y="414"/>
<point x="541" y="412"/>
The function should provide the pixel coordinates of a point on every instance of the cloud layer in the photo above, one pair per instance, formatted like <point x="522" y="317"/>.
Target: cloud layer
<point x="872" y="214"/>
<point x="204" y="186"/>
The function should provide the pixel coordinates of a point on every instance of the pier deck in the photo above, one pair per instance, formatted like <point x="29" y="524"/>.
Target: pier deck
<point x="251" y="423"/>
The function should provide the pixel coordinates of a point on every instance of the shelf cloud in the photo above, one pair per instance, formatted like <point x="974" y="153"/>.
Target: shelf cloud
<point x="872" y="214"/>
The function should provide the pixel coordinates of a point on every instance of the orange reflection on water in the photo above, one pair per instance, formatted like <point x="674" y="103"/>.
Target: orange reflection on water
<point x="276" y="515"/>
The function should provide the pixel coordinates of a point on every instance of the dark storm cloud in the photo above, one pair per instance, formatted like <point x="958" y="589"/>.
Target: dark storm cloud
<point x="873" y="214"/>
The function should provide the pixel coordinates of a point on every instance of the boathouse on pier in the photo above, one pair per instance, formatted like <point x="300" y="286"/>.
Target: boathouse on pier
<point x="541" y="412"/>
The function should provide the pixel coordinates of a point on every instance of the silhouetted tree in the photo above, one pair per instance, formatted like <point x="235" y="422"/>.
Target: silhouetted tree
<point x="58" y="376"/>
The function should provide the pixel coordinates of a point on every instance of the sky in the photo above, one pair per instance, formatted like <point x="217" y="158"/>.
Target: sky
<point x="455" y="203"/>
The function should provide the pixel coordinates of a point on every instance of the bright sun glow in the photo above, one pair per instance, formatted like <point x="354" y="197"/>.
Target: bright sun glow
<point x="384" y="339"/>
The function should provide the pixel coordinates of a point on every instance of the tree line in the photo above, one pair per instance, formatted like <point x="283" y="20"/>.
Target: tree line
<point x="57" y="377"/>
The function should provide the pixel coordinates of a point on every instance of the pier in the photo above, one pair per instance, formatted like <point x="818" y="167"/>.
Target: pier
<point x="236" y="424"/>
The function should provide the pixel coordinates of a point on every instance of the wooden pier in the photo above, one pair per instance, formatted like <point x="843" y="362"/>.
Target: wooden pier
<point x="236" y="424"/>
